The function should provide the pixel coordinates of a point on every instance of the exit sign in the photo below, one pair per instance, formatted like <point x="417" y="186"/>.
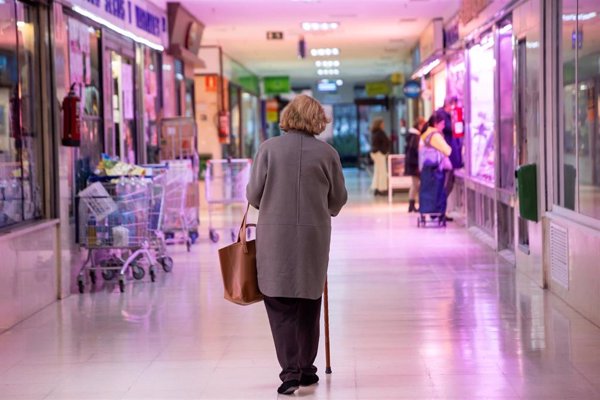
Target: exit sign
<point x="272" y="35"/>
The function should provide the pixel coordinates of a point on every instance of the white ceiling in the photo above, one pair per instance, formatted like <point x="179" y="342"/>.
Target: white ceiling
<point x="374" y="37"/>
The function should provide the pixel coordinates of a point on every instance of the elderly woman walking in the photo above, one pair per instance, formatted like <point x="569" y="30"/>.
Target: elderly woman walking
<point x="297" y="184"/>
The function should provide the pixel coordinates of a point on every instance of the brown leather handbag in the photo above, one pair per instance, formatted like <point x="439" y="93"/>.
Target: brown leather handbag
<point x="238" y="267"/>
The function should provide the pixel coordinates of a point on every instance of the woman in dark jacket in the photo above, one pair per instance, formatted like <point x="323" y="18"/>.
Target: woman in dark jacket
<point x="297" y="185"/>
<point x="380" y="148"/>
<point x="411" y="162"/>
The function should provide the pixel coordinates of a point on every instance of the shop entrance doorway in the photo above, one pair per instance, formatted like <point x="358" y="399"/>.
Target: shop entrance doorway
<point x="119" y="78"/>
<point x="123" y="107"/>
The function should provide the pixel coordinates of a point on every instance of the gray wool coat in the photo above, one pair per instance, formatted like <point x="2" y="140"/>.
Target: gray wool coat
<point x="297" y="184"/>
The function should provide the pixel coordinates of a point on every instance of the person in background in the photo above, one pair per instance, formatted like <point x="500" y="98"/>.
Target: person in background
<point x="411" y="161"/>
<point x="380" y="148"/>
<point x="297" y="185"/>
<point x="455" y="144"/>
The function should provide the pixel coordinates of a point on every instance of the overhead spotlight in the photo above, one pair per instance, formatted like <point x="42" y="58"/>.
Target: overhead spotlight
<point x="320" y="72"/>
<point x="324" y="26"/>
<point x="336" y="63"/>
<point x="336" y="71"/>
<point x="339" y="82"/>
<point x="321" y="52"/>
<point x="333" y="25"/>
<point x="313" y="52"/>
<point x="318" y="63"/>
<point x="328" y="52"/>
<point x="315" y="26"/>
<point x="306" y="26"/>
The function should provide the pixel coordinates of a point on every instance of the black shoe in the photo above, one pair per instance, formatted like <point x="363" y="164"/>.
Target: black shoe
<point x="449" y="219"/>
<point x="307" y="380"/>
<point x="289" y="387"/>
<point x="411" y="206"/>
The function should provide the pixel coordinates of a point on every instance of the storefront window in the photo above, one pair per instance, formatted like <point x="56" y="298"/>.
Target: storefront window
<point x="580" y="152"/>
<point x="152" y="103"/>
<point x="84" y="78"/>
<point x="482" y="64"/>
<point x="20" y="142"/>
<point x="250" y="125"/>
<point x="506" y="172"/>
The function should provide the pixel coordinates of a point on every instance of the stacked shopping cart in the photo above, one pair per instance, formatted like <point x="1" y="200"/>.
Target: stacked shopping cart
<point x="120" y="224"/>
<point x="226" y="182"/>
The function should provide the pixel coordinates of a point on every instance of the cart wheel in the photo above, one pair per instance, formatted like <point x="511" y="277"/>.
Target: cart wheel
<point x="152" y="274"/>
<point x="418" y="222"/>
<point x="138" y="272"/>
<point x="93" y="277"/>
<point x="108" y="274"/>
<point x="194" y="236"/>
<point x="167" y="263"/>
<point x="169" y="235"/>
<point x="214" y="236"/>
<point x="188" y="245"/>
<point x="80" y="285"/>
<point x="122" y="285"/>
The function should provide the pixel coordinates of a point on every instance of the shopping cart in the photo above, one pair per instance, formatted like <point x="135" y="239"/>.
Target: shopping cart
<point x="226" y="182"/>
<point x="181" y="203"/>
<point x="157" y="214"/>
<point x="119" y="220"/>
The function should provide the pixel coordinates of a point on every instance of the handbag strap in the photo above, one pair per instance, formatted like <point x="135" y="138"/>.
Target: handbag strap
<point x="242" y="232"/>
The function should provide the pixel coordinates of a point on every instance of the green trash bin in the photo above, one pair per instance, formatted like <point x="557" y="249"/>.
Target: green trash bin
<point x="528" y="192"/>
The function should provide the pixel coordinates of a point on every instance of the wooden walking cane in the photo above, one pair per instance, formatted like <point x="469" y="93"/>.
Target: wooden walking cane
<point x="327" y="349"/>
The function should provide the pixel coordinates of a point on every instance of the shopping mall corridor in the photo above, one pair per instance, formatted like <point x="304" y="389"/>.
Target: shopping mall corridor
<point x="415" y="314"/>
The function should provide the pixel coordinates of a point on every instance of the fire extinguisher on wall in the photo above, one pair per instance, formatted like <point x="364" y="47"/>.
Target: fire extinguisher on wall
<point x="71" y="119"/>
<point x="458" y="128"/>
<point x="224" y="127"/>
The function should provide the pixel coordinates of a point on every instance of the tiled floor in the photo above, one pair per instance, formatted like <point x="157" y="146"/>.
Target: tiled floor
<point x="415" y="314"/>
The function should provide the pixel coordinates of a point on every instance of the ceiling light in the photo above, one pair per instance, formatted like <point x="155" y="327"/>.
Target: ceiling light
<point x="326" y="51"/>
<point x="339" y="82"/>
<point x="336" y="63"/>
<point x="336" y="71"/>
<point x="580" y="17"/>
<point x="318" y="64"/>
<point x="320" y="72"/>
<point x="320" y="26"/>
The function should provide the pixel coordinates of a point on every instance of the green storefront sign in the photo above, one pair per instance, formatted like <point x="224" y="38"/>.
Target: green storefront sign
<point x="277" y="84"/>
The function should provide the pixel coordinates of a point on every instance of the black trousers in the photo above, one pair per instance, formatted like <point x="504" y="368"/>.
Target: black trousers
<point x="295" y="324"/>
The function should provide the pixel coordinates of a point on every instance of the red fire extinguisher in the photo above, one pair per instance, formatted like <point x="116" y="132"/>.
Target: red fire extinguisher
<point x="224" y="127"/>
<point x="458" y="122"/>
<point x="71" y="119"/>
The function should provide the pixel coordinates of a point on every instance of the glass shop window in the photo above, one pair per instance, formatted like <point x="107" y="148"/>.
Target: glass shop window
<point x="482" y="126"/>
<point x="579" y="151"/>
<point x="20" y="125"/>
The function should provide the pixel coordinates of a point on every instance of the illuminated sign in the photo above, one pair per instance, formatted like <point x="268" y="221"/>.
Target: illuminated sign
<point x="136" y="19"/>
